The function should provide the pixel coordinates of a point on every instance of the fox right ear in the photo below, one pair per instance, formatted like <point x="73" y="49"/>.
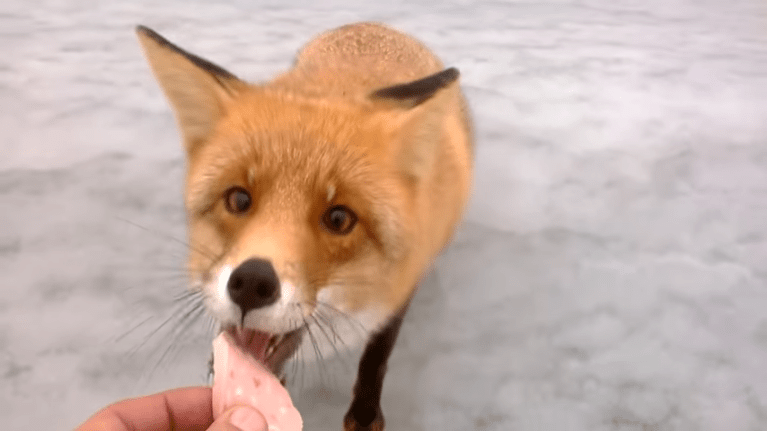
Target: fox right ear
<point x="420" y="107"/>
<point x="197" y="89"/>
<point x="414" y="93"/>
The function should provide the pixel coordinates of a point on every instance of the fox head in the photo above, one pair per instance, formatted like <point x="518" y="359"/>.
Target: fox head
<point x="297" y="202"/>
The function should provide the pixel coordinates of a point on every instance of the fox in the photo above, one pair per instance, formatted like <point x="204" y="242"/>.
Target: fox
<point x="328" y="191"/>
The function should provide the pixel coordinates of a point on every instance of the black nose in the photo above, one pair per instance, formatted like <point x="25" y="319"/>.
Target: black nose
<point x="254" y="284"/>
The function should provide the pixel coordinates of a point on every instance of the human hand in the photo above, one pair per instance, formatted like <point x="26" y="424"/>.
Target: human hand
<point x="174" y="410"/>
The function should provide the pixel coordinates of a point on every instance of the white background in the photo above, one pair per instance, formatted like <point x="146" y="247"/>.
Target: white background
<point x="611" y="273"/>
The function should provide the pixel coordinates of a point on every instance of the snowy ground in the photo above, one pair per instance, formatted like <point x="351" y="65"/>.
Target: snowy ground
<point x="611" y="275"/>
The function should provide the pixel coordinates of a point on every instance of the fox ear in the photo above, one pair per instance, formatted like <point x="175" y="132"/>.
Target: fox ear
<point x="197" y="89"/>
<point x="414" y="93"/>
<point x="418" y="126"/>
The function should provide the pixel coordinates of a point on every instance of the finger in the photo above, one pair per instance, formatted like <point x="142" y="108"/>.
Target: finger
<point x="240" y="418"/>
<point x="185" y="408"/>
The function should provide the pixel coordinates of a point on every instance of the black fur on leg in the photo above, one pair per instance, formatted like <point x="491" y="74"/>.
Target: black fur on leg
<point x="365" y="410"/>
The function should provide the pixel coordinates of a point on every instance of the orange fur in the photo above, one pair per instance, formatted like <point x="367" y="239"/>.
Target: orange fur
<point x="312" y="138"/>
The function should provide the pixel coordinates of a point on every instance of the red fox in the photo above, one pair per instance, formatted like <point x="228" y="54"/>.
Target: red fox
<point x="330" y="189"/>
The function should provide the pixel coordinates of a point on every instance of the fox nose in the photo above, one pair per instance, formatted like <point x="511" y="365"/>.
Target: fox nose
<point x="254" y="284"/>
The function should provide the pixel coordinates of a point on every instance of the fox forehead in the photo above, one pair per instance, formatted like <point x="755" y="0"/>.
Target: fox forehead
<point x="283" y="165"/>
<point x="288" y="146"/>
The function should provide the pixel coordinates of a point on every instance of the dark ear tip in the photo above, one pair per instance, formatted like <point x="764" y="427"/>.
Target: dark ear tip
<point x="417" y="92"/>
<point x="143" y="30"/>
<point x="448" y="76"/>
<point x="451" y="74"/>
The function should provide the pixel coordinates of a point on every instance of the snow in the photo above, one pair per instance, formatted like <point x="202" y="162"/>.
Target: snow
<point x="609" y="275"/>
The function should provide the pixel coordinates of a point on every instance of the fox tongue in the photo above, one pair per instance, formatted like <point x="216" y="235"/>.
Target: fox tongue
<point x="252" y="342"/>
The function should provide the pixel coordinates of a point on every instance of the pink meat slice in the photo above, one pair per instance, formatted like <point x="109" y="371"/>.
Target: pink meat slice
<point x="241" y="380"/>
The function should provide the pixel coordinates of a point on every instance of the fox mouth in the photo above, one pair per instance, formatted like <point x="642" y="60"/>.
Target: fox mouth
<point x="271" y="350"/>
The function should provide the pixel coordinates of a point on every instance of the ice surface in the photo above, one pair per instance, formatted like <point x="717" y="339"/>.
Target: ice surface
<point x="610" y="274"/>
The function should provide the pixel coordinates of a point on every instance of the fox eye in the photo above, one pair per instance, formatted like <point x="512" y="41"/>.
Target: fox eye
<point x="339" y="220"/>
<point x="237" y="200"/>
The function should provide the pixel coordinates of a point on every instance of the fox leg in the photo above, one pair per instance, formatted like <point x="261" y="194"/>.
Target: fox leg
<point x="365" y="410"/>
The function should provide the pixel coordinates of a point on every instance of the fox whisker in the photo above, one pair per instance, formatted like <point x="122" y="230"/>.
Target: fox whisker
<point x="198" y="248"/>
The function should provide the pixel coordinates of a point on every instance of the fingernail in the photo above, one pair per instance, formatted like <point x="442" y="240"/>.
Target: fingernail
<point x="247" y="419"/>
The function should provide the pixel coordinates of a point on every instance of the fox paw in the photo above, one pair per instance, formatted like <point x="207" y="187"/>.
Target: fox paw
<point x="364" y="419"/>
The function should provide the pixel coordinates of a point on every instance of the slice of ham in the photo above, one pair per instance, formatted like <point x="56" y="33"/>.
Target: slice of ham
<point x="241" y="380"/>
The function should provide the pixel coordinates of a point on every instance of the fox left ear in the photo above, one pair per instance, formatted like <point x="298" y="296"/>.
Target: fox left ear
<point x="197" y="89"/>
<point x="418" y="126"/>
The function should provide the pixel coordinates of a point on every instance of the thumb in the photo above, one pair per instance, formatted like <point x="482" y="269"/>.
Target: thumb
<point x="240" y="418"/>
